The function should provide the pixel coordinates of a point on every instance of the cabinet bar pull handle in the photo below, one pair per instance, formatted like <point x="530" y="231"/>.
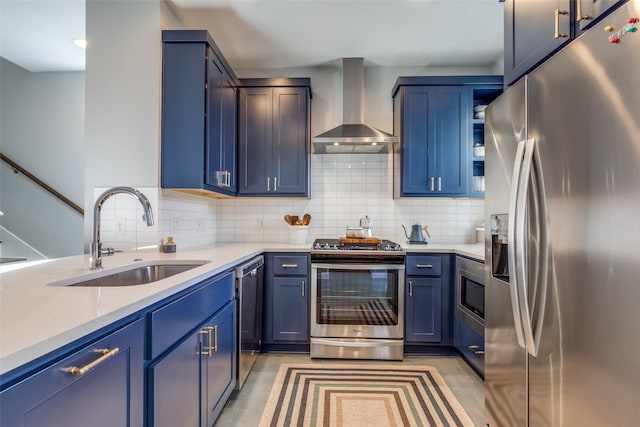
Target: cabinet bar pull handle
<point x="302" y="286"/>
<point x="106" y="354"/>
<point x="557" y="14"/>
<point x="268" y="183"/>
<point x="207" y="352"/>
<point x="215" y="338"/>
<point x="431" y="186"/>
<point x="579" y="15"/>
<point x="289" y="265"/>
<point x="439" y="183"/>
<point x="228" y="178"/>
<point x="424" y="265"/>
<point x="275" y="183"/>
<point x="475" y="350"/>
<point x="411" y="288"/>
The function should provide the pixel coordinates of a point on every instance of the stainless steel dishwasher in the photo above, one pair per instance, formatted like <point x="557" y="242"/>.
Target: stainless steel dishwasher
<point x="249" y="290"/>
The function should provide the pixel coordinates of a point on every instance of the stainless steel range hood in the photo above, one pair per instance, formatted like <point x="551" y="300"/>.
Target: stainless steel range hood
<point x="353" y="136"/>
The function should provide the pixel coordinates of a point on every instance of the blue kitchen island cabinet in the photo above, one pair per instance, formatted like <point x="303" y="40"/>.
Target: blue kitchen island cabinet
<point x="192" y="352"/>
<point x="98" y="385"/>
<point x="428" y="302"/>
<point x="433" y="123"/>
<point x="191" y="384"/>
<point x="199" y="114"/>
<point x="273" y="135"/>
<point x="286" y="316"/>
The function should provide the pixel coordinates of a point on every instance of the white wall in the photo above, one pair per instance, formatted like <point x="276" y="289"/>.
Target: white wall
<point x="42" y="129"/>
<point x="123" y="68"/>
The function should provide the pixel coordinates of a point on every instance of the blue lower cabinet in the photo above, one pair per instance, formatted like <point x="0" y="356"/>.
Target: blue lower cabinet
<point x="286" y="302"/>
<point x="290" y="308"/>
<point x="219" y="363"/>
<point x="471" y="345"/>
<point x="174" y="395"/>
<point x="423" y="299"/>
<point x="100" y="385"/>
<point x="191" y="383"/>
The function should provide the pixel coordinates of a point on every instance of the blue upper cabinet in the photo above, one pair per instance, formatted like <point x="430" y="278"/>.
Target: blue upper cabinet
<point x="274" y="134"/>
<point x="436" y="121"/>
<point x="434" y="134"/>
<point x="533" y="30"/>
<point x="199" y="103"/>
<point x="588" y="11"/>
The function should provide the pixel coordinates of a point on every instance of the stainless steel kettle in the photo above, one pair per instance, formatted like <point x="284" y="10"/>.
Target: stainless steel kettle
<point x="365" y="223"/>
<point x="417" y="235"/>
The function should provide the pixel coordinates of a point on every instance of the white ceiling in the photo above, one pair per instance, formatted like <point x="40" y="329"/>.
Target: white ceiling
<point x="36" y="34"/>
<point x="302" y="33"/>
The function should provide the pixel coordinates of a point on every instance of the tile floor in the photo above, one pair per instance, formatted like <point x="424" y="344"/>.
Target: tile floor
<point x="244" y="408"/>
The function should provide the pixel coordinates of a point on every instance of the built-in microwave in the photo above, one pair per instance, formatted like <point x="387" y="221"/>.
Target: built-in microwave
<point x="470" y="293"/>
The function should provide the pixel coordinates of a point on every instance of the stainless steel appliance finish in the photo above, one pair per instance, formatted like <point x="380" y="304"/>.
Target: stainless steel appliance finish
<point x="563" y="174"/>
<point x="249" y="292"/>
<point x="357" y="301"/>
<point x="353" y="136"/>
<point x="470" y="293"/>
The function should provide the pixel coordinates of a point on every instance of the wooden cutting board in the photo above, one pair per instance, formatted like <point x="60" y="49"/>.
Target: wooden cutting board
<point x="360" y="240"/>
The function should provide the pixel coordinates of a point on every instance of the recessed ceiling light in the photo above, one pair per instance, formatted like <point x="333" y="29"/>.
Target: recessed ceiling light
<point x="336" y="143"/>
<point x="81" y="43"/>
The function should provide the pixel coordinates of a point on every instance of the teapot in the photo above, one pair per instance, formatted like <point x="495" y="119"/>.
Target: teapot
<point x="417" y="236"/>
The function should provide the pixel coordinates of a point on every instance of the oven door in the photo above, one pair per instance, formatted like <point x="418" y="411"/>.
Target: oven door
<point x="357" y="300"/>
<point x="470" y="293"/>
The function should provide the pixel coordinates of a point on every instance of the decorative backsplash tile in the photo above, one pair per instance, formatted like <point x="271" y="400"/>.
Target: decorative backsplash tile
<point x="344" y="188"/>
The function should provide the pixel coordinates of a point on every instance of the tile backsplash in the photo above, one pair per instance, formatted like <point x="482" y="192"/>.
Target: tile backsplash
<point x="344" y="188"/>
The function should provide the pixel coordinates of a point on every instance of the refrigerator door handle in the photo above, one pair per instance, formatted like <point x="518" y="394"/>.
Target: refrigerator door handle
<point x="538" y="279"/>
<point x="522" y="255"/>
<point x="514" y="279"/>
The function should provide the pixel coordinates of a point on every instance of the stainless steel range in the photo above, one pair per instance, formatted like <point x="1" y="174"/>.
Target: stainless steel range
<point x="357" y="299"/>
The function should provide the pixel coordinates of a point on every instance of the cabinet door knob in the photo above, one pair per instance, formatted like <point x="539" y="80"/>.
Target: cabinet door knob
<point x="106" y="354"/>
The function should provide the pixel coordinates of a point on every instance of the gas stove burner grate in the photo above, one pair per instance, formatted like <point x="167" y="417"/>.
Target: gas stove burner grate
<point x="364" y="245"/>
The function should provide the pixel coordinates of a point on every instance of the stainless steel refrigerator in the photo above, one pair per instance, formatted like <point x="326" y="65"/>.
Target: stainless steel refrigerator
<point x="562" y="281"/>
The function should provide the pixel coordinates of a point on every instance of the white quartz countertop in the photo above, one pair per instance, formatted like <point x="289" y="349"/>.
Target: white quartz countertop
<point x="36" y="318"/>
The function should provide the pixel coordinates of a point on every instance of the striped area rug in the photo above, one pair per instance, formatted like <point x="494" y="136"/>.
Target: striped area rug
<point x="350" y="395"/>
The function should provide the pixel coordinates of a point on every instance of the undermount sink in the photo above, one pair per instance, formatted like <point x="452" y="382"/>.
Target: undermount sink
<point x="138" y="274"/>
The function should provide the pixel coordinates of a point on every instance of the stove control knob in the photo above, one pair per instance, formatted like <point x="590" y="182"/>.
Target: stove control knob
<point x="397" y="247"/>
<point x="327" y="246"/>
<point x="317" y="246"/>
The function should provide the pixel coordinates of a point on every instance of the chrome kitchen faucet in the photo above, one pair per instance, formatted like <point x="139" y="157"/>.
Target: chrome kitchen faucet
<point x="96" y="251"/>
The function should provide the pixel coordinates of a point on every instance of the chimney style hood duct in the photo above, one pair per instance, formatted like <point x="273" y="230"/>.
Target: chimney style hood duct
<point x="353" y="136"/>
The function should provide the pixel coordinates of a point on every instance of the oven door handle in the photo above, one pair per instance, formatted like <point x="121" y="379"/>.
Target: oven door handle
<point x="358" y="266"/>
<point x="364" y="343"/>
